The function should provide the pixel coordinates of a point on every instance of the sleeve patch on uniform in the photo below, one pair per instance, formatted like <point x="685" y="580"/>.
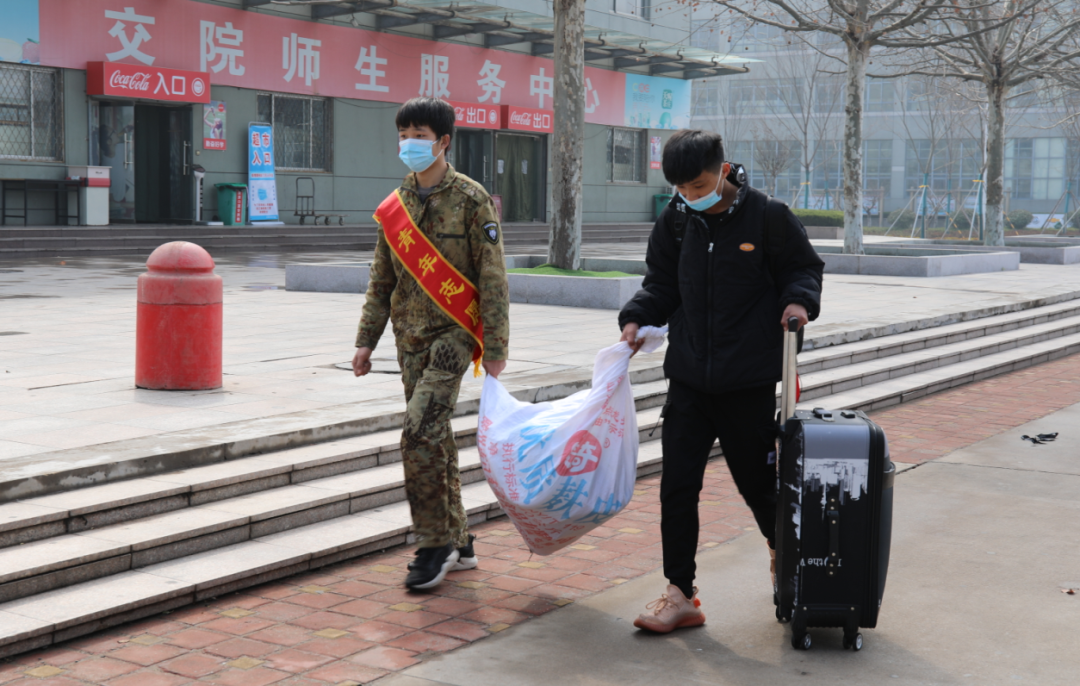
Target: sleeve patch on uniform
<point x="491" y="232"/>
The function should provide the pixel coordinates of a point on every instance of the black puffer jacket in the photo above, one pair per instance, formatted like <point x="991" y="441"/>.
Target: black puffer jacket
<point x="723" y="295"/>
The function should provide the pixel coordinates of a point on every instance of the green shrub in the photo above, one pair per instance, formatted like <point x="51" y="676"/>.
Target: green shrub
<point x="1018" y="219"/>
<point x="819" y="217"/>
<point x="901" y="219"/>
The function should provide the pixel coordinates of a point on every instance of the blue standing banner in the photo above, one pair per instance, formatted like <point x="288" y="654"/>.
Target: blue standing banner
<point x="262" y="186"/>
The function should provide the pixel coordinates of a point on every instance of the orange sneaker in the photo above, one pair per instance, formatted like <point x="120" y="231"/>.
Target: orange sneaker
<point x="671" y="611"/>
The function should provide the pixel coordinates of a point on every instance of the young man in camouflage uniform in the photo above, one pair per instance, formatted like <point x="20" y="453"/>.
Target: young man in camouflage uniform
<point x="459" y="218"/>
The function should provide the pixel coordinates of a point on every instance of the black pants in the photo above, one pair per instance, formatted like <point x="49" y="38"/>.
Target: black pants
<point x="744" y="421"/>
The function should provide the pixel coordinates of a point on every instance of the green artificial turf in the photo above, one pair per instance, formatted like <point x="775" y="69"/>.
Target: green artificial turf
<point x="551" y="270"/>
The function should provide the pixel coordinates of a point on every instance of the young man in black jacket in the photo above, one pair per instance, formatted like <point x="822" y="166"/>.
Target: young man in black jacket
<point x="727" y="267"/>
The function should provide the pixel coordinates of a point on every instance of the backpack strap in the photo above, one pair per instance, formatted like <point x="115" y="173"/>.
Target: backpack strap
<point x="678" y="228"/>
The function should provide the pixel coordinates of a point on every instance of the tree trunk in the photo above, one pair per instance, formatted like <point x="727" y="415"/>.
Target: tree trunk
<point x="568" y="140"/>
<point x="853" y="177"/>
<point x="995" y="165"/>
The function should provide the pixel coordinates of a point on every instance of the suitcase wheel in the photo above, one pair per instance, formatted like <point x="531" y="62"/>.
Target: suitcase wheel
<point x="853" y="643"/>
<point x="802" y="642"/>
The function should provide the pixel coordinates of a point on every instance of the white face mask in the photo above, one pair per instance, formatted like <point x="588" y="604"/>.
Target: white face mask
<point x="706" y="201"/>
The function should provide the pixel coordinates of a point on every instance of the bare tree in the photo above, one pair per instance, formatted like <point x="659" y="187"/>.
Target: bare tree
<point x="860" y="25"/>
<point x="568" y="141"/>
<point x="808" y="102"/>
<point x="772" y="155"/>
<point x="1005" y="45"/>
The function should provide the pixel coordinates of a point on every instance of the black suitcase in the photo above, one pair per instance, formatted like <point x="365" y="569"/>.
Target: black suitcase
<point x="834" y="516"/>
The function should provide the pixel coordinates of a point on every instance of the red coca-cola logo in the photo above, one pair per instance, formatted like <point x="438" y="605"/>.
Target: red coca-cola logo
<point x="521" y="118"/>
<point x="139" y="81"/>
<point x="581" y="455"/>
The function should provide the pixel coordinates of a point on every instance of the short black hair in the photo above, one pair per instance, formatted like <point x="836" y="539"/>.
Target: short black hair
<point x="689" y="152"/>
<point x="437" y="115"/>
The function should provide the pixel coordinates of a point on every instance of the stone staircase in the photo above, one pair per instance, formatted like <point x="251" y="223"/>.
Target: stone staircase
<point x="76" y="561"/>
<point x="93" y="241"/>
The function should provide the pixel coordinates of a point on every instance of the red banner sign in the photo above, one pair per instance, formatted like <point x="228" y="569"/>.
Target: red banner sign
<point x="528" y="119"/>
<point x="262" y="51"/>
<point x="476" y="116"/>
<point x="146" y="83"/>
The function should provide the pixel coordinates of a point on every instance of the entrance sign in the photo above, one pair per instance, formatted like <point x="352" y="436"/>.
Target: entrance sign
<point x="147" y="83"/>
<point x="476" y="116"/>
<point x="528" y="119"/>
<point x="262" y="186"/>
<point x="214" y="125"/>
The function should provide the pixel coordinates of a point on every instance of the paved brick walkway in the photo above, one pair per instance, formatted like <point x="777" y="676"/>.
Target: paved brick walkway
<point x="352" y="623"/>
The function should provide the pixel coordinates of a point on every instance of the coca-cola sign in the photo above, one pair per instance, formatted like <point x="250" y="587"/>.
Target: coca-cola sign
<point x="146" y="83"/>
<point x="527" y="119"/>
<point x="139" y="81"/>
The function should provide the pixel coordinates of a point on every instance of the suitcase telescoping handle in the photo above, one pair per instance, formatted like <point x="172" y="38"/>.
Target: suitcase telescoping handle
<point x="788" y="384"/>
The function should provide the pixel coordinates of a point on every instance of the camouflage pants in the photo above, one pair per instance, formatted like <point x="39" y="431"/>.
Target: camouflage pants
<point x="432" y="380"/>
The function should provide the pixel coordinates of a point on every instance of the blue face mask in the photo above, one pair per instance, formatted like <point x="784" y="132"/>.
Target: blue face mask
<point x="416" y="153"/>
<point x="706" y="201"/>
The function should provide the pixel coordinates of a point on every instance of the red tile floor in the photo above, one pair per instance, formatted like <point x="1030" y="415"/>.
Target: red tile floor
<point x="353" y="623"/>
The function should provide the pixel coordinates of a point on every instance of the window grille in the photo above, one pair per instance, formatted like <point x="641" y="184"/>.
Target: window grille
<point x="302" y="130"/>
<point x="626" y="154"/>
<point x="31" y="113"/>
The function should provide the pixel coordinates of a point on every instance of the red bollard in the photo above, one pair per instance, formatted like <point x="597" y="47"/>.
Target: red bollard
<point x="178" y="326"/>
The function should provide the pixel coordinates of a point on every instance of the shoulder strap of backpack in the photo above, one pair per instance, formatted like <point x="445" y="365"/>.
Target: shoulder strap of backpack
<point x="678" y="228"/>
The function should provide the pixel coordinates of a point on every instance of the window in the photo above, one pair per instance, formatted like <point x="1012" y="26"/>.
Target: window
<point x="706" y="97"/>
<point x="757" y="37"/>
<point x="31" y="113"/>
<point x="626" y="154"/>
<point x="765" y="159"/>
<point x="954" y="167"/>
<point x="877" y="165"/>
<point x="705" y="34"/>
<point x="636" y="8"/>
<point x="880" y="95"/>
<point x="829" y="97"/>
<point x="302" y="133"/>
<point x="762" y="97"/>
<point x="1035" y="167"/>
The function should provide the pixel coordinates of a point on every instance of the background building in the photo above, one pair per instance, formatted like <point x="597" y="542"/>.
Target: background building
<point x="179" y="81"/>
<point x="784" y="121"/>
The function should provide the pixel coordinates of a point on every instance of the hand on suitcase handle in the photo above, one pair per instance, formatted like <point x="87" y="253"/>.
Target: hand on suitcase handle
<point x="793" y="325"/>
<point x="796" y="311"/>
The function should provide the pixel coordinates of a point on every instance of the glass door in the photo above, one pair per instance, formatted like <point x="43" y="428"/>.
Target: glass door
<point x="472" y="156"/>
<point x="521" y="176"/>
<point x="115" y="147"/>
<point x="181" y="184"/>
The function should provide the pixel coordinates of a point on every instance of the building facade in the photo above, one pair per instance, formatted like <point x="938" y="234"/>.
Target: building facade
<point x="163" y="92"/>
<point x="923" y="138"/>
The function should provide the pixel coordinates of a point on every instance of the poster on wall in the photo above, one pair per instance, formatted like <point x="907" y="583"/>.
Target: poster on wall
<point x="262" y="186"/>
<point x="214" y="125"/>
<point x="656" y="102"/>
<point x="19" y="32"/>
<point x="655" y="151"/>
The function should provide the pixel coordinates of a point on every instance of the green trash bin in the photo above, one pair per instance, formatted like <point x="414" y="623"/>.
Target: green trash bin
<point x="232" y="203"/>
<point x="660" y="201"/>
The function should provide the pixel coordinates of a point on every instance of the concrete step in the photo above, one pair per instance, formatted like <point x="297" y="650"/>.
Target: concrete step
<point x="877" y="347"/>
<point x="857" y="374"/>
<point x="130" y="591"/>
<point x="916" y="385"/>
<point x="90" y="509"/>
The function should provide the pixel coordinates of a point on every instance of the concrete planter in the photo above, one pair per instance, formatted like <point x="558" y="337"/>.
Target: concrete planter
<point x="815" y="233"/>
<point x="1032" y="250"/>
<point x="575" y="291"/>
<point x="916" y="261"/>
<point x="341" y="277"/>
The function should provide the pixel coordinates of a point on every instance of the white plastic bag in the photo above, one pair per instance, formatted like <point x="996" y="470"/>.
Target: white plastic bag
<point x="561" y="468"/>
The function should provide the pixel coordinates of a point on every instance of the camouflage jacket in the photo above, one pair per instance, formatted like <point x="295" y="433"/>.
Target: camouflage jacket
<point x="459" y="218"/>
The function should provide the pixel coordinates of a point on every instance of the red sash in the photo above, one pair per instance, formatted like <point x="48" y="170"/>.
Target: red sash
<point x="446" y="286"/>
